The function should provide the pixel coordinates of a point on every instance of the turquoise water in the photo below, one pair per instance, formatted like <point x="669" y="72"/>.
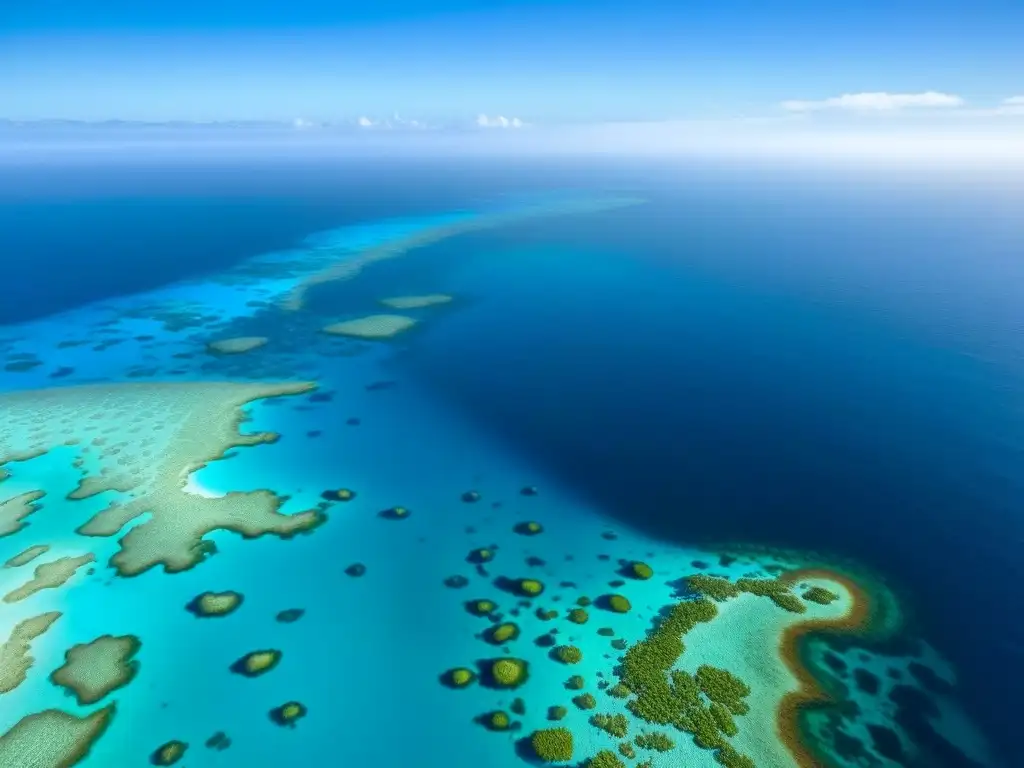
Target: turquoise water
<point x="365" y="658"/>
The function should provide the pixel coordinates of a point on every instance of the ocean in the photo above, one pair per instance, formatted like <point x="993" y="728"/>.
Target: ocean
<point x="734" y="367"/>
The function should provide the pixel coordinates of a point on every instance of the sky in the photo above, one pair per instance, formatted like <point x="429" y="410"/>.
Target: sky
<point x="870" y="66"/>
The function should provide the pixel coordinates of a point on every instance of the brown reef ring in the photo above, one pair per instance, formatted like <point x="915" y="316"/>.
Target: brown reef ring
<point x="857" y="621"/>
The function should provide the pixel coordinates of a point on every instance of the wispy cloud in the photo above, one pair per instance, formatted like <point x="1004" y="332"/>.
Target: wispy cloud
<point x="880" y="101"/>
<point x="483" y="121"/>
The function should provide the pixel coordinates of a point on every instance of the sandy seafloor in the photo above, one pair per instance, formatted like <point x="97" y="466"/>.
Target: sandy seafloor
<point x="366" y="656"/>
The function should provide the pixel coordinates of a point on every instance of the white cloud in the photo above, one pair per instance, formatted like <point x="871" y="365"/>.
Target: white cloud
<point x="877" y="102"/>
<point x="483" y="121"/>
<point x="1014" y="101"/>
<point x="365" y="122"/>
<point x="301" y="124"/>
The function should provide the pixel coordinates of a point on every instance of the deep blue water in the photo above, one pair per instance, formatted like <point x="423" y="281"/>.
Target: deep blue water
<point x="834" y="364"/>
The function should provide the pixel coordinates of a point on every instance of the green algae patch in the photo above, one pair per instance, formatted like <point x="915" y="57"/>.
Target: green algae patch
<point x="578" y="616"/>
<point x="552" y="745"/>
<point x="820" y="595"/>
<point x="614" y="725"/>
<point x="604" y="759"/>
<point x="585" y="701"/>
<point x="507" y="673"/>
<point x="496" y="721"/>
<point x="146" y="440"/>
<point x="617" y="604"/>
<point x="460" y="677"/>
<point x="568" y="654"/>
<point x="502" y="633"/>
<point x="92" y="670"/>
<point x="640" y="570"/>
<point x="557" y="713"/>
<point x="656" y="741"/>
<point x="53" y="738"/>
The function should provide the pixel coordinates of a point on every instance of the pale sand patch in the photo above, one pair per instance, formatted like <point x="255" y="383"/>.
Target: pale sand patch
<point x="92" y="670"/>
<point x="49" y="576"/>
<point x="14" y="511"/>
<point x="52" y="739"/>
<point x="154" y="436"/>
<point x="746" y="638"/>
<point x="15" y="660"/>
<point x="416" y="302"/>
<point x="237" y="345"/>
<point x="353" y="265"/>
<point x="372" y="327"/>
<point x="27" y="556"/>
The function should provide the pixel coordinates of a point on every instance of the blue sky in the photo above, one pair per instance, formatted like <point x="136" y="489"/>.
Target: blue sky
<point x="574" y="61"/>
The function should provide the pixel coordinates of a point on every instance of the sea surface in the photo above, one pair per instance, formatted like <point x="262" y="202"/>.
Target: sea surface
<point x="745" y="360"/>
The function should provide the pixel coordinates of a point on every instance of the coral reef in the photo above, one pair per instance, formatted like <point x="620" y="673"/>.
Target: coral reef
<point x="170" y="430"/>
<point x="529" y="588"/>
<point x="416" y="302"/>
<point x="395" y="513"/>
<point x="481" y="607"/>
<point x="372" y="327"/>
<point x="256" y="663"/>
<point x="236" y="345"/>
<point x="288" y="713"/>
<point x="92" y="670"/>
<point x="215" y="604"/>
<point x="530" y="528"/>
<point x="49" y="576"/>
<point x="471" y="497"/>
<point x="557" y="713"/>
<point x="13" y="511"/>
<point x="169" y="753"/>
<point x="339" y="494"/>
<point x="53" y="738"/>
<point x="27" y="556"/>
<point x="575" y="683"/>
<point x="15" y="660"/>
<point x="290" y="615"/>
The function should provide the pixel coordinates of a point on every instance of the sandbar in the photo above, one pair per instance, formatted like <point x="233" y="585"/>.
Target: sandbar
<point x="52" y="738"/>
<point x="49" y="576"/>
<point x="92" y="670"/>
<point x="15" y="660"/>
<point x="416" y="302"/>
<point x="353" y="265"/>
<point x="372" y="327"/>
<point x="237" y="345"/>
<point x="14" y="511"/>
<point x="27" y="556"/>
<point x="155" y="434"/>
